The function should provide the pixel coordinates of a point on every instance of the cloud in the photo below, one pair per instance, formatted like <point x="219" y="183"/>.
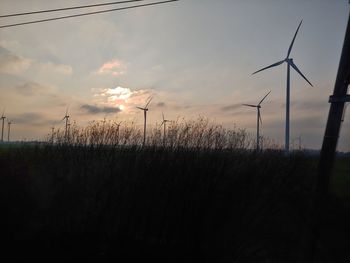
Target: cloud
<point x="32" y="88"/>
<point x="12" y="64"/>
<point x="311" y="105"/>
<point x="122" y="97"/>
<point x="57" y="68"/>
<point x="160" y="104"/>
<point x="91" y="109"/>
<point x="231" y="107"/>
<point x="114" y="67"/>
<point x="29" y="118"/>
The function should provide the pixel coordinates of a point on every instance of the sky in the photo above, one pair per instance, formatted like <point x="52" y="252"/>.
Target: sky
<point x="194" y="57"/>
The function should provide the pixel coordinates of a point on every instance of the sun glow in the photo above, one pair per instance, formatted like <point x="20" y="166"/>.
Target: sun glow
<point x="123" y="98"/>
<point x="119" y="93"/>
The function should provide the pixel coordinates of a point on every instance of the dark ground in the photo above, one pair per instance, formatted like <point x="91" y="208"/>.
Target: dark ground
<point x="176" y="205"/>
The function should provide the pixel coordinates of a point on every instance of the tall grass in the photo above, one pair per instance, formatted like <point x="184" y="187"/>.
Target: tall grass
<point x="199" y="133"/>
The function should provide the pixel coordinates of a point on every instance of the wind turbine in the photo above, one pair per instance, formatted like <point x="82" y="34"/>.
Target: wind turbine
<point x="52" y="133"/>
<point x="3" y="123"/>
<point x="67" y="119"/>
<point x="290" y="63"/>
<point x="258" y="120"/>
<point x="9" y="129"/>
<point x="164" y="126"/>
<point x="145" y="109"/>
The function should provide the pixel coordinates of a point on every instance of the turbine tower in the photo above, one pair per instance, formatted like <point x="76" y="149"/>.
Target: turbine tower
<point x="145" y="109"/>
<point x="290" y="63"/>
<point x="66" y="117"/>
<point x="8" y="130"/>
<point x="164" y="127"/>
<point x="3" y="123"/>
<point x="258" y="120"/>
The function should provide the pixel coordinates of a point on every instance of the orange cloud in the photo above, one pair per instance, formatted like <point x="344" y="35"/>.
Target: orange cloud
<point x="124" y="98"/>
<point x="113" y="67"/>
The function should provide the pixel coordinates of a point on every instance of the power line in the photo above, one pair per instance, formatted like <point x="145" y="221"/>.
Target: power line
<point x="86" y="14"/>
<point x="68" y="8"/>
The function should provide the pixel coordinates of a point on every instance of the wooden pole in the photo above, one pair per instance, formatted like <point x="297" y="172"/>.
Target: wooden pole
<point x="334" y="121"/>
<point x="330" y="140"/>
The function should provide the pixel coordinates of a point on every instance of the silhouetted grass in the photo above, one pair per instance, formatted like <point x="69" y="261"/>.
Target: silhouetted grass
<point x="157" y="202"/>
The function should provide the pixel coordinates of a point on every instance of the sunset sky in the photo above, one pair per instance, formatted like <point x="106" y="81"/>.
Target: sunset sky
<point x="194" y="57"/>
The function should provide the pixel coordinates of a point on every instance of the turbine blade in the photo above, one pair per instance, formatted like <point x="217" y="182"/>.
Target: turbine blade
<point x="271" y="66"/>
<point x="148" y="102"/>
<point x="163" y="116"/>
<point x="297" y="70"/>
<point x="291" y="44"/>
<point x="264" y="97"/>
<point x="140" y="108"/>
<point x="249" y="105"/>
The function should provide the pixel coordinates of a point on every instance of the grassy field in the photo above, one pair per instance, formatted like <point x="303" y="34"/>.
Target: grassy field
<point x="340" y="183"/>
<point x="191" y="198"/>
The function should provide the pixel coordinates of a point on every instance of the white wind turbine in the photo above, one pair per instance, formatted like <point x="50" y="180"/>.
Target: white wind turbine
<point x="145" y="109"/>
<point x="164" y="127"/>
<point x="290" y="63"/>
<point x="3" y="123"/>
<point x="258" y="120"/>
<point x="66" y="117"/>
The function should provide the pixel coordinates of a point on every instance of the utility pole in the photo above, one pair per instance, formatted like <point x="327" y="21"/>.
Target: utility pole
<point x="337" y="100"/>
<point x="330" y="140"/>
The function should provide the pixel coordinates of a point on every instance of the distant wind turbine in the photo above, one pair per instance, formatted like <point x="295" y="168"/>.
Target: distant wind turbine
<point x="9" y="130"/>
<point x="164" y="127"/>
<point x="66" y="117"/>
<point x="258" y="121"/>
<point x="145" y="109"/>
<point x="52" y="133"/>
<point x="290" y="63"/>
<point x="3" y="123"/>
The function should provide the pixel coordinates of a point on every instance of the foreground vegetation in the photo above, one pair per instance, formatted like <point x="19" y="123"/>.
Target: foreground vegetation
<point x="161" y="202"/>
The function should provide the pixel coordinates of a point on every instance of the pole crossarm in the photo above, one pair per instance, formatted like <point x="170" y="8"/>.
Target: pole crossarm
<point x="337" y="99"/>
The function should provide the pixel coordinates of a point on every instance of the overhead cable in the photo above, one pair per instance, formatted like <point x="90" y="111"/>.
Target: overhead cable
<point x="68" y="8"/>
<point x="86" y="14"/>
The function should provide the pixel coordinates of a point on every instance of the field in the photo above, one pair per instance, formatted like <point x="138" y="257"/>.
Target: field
<point x="167" y="202"/>
<point x="340" y="184"/>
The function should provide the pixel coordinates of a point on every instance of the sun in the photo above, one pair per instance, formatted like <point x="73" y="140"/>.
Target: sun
<point x="122" y="107"/>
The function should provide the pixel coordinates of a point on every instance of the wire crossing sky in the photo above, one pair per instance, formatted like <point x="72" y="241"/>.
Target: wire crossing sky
<point x="68" y="8"/>
<point x="82" y="14"/>
<point x="195" y="58"/>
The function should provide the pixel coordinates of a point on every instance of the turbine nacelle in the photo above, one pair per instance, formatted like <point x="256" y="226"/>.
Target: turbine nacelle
<point x="144" y="109"/>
